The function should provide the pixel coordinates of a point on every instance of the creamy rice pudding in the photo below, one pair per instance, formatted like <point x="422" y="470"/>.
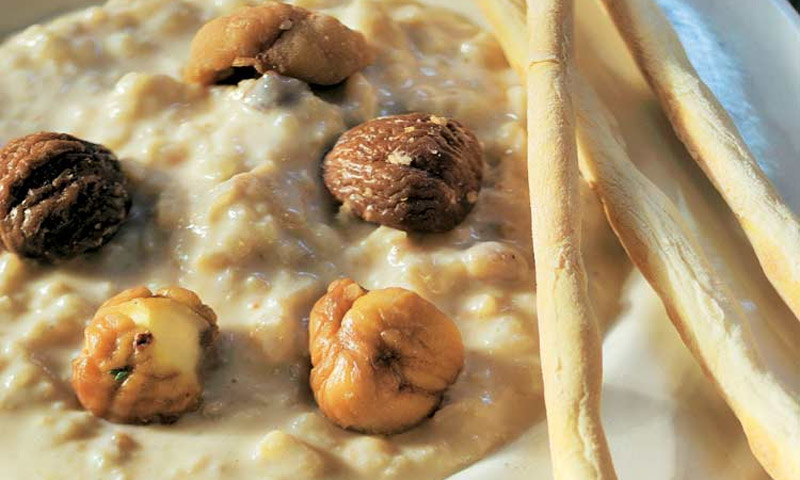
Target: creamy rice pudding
<point x="228" y="201"/>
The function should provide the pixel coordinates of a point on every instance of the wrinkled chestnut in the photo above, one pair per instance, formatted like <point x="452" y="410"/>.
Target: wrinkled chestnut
<point x="278" y="37"/>
<point x="60" y="196"/>
<point x="415" y="172"/>
<point x="382" y="359"/>
<point x="143" y="354"/>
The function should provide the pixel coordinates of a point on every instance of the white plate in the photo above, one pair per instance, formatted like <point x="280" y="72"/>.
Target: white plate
<point x="663" y="420"/>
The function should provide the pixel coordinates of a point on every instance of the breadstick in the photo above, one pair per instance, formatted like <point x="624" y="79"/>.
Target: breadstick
<point x="570" y="343"/>
<point x="711" y="323"/>
<point x="713" y="141"/>
<point x="510" y="16"/>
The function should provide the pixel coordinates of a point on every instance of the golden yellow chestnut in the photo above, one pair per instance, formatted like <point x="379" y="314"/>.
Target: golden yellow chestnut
<point x="143" y="354"/>
<point x="382" y="359"/>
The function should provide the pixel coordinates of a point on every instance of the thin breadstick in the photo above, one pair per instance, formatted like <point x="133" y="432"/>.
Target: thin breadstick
<point x="710" y="321"/>
<point x="570" y="343"/>
<point x="713" y="141"/>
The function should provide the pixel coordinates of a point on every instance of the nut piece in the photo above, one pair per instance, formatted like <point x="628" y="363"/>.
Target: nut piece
<point x="143" y="354"/>
<point x="59" y="196"/>
<point x="496" y="262"/>
<point x="414" y="172"/>
<point x="290" y="40"/>
<point x="382" y="359"/>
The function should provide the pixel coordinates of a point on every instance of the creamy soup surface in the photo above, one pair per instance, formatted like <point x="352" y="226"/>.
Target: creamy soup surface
<point x="228" y="201"/>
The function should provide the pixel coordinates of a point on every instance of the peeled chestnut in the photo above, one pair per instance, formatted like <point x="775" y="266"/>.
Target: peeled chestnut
<point x="382" y="359"/>
<point x="279" y="37"/>
<point x="143" y="356"/>
<point x="416" y="172"/>
<point x="60" y="196"/>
